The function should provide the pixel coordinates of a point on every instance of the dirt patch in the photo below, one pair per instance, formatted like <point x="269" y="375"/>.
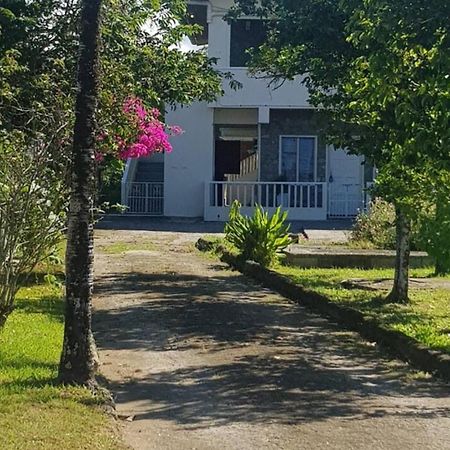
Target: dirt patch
<point x="201" y="357"/>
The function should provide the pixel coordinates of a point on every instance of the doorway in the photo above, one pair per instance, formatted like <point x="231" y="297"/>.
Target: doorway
<point x="345" y="190"/>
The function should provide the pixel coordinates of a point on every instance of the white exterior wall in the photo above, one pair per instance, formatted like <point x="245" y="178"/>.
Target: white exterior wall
<point x="190" y="167"/>
<point x="190" y="164"/>
<point x="254" y="92"/>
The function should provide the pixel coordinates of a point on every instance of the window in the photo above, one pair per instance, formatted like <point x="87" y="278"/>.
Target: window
<point x="198" y="15"/>
<point x="298" y="158"/>
<point x="245" y="34"/>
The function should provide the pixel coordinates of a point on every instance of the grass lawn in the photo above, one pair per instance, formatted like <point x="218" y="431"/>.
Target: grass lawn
<point x="426" y="318"/>
<point x="35" y="413"/>
<point x="116" y="248"/>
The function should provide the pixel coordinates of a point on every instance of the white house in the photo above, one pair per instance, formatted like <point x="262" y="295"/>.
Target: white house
<point x="257" y="144"/>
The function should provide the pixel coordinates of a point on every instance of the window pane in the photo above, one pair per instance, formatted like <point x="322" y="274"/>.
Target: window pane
<point x="289" y="158"/>
<point x="245" y="34"/>
<point x="198" y="15"/>
<point x="306" y="159"/>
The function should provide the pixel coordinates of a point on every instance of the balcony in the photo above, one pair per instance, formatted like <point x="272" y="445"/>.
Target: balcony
<point x="256" y="93"/>
<point x="303" y="201"/>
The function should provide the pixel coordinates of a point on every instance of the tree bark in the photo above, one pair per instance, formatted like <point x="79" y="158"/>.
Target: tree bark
<point x="78" y="359"/>
<point x="399" y="293"/>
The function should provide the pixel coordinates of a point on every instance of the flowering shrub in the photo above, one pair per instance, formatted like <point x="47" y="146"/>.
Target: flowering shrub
<point x="142" y="134"/>
<point x="32" y="210"/>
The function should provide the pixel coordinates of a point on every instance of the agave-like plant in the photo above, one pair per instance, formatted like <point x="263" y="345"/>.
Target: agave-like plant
<point x="260" y="238"/>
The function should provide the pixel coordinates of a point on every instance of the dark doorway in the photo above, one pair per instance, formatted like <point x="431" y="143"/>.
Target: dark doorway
<point x="227" y="159"/>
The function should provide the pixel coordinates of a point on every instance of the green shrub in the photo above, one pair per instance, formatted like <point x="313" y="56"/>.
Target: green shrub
<point x="434" y="236"/>
<point x="260" y="238"/>
<point x="376" y="228"/>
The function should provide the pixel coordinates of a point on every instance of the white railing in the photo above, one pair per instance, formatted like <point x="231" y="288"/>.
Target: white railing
<point x="346" y="200"/>
<point x="304" y="201"/>
<point x="144" y="198"/>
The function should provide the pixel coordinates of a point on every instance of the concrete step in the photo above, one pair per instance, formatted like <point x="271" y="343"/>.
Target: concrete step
<point x="328" y="257"/>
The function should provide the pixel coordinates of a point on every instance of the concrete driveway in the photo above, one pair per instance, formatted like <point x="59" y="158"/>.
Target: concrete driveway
<point x="200" y="357"/>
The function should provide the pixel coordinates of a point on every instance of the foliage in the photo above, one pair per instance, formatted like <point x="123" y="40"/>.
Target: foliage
<point x="144" y="133"/>
<point x="425" y="318"/>
<point x="109" y="181"/>
<point x="31" y="212"/>
<point x="435" y="236"/>
<point x="141" y="56"/>
<point x="376" y="226"/>
<point x="378" y="70"/>
<point x="434" y="223"/>
<point x="260" y="238"/>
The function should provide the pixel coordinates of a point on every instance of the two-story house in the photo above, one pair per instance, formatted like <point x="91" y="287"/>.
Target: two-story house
<point x="257" y="144"/>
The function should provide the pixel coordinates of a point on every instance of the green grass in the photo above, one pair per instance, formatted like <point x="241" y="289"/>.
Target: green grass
<point x="426" y="318"/>
<point x="117" y="248"/>
<point x="36" y="413"/>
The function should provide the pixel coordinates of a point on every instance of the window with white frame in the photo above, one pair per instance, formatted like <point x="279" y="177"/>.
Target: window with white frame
<point x="298" y="158"/>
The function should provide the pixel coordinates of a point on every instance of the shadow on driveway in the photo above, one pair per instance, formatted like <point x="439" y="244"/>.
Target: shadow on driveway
<point x="264" y="359"/>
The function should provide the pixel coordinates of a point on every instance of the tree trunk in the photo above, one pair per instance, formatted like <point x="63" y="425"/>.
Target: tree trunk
<point x="399" y="293"/>
<point x="78" y="359"/>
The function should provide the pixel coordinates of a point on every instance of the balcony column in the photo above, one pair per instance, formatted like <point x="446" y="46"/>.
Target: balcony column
<point x="263" y="118"/>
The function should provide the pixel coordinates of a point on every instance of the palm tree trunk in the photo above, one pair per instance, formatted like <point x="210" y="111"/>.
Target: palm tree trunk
<point x="399" y="293"/>
<point x="78" y="359"/>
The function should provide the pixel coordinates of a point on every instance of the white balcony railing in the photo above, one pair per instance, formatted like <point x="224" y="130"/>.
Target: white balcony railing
<point x="303" y="201"/>
<point x="144" y="198"/>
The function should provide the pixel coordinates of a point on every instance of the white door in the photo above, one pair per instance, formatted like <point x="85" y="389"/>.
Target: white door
<point x="345" y="192"/>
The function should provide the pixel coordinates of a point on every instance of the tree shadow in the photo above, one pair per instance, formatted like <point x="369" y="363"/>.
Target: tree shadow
<point x="279" y="362"/>
<point x="262" y="389"/>
<point x="171" y="309"/>
<point x="50" y="305"/>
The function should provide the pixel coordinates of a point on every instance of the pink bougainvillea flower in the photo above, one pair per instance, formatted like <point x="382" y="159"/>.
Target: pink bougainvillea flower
<point x="99" y="157"/>
<point x="147" y="135"/>
<point x="175" y="130"/>
<point x="152" y="134"/>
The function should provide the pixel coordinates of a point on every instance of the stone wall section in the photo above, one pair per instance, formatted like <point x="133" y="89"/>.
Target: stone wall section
<point x="290" y="122"/>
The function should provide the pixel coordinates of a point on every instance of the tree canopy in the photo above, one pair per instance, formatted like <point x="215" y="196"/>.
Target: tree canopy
<point x="378" y="71"/>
